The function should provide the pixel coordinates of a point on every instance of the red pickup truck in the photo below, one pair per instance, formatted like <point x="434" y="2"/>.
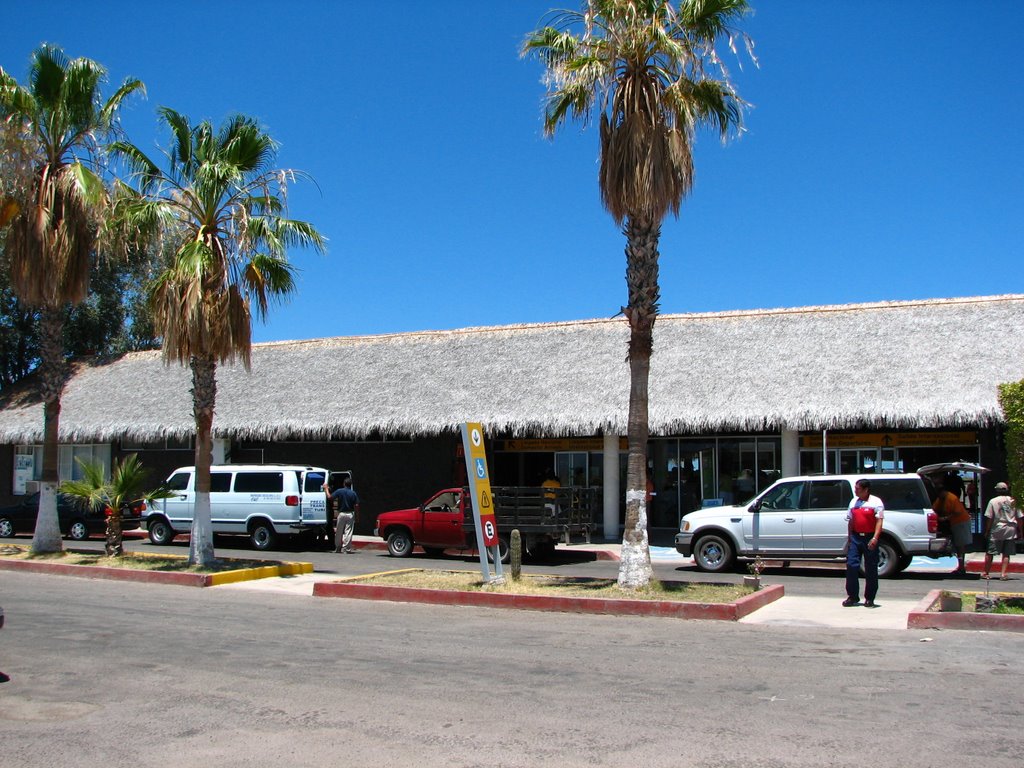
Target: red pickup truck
<point x="543" y="516"/>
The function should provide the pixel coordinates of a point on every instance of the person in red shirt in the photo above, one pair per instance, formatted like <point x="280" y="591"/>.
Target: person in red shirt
<point x="864" y="520"/>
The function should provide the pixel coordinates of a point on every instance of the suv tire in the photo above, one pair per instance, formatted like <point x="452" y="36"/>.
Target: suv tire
<point x="713" y="553"/>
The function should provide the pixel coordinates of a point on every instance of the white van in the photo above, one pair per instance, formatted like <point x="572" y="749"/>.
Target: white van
<point x="261" y="501"/>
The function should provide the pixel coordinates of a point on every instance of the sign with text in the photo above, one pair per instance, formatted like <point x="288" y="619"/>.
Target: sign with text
<point x="479" y="482"/>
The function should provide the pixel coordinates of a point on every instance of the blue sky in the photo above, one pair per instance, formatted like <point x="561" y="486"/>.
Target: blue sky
<point x="883" y="157"/>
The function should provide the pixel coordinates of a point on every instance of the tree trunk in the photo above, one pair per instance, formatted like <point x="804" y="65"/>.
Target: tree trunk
<point x="115" y="536"/>
<point x="642" y="236"/>
<point x="52" y="374"/>
<point x="204" y="396"/>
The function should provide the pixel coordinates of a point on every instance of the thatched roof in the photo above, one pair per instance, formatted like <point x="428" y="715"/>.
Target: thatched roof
<point x="900" y="364"/>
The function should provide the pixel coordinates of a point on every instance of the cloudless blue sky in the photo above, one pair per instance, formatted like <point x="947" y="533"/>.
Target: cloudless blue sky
<point x="883" y="157"/>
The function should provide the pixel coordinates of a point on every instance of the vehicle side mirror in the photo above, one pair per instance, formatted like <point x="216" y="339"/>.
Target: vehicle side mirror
<point x="756" y="506"/>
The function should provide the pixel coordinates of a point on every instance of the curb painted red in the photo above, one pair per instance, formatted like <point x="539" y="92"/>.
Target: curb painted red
<point x="924" y="618"/>
<point x="112" y="574"/>
<point x="665" y="608"/>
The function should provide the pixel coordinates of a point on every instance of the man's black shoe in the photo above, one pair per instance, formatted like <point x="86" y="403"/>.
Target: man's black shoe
<point x="871" y="604"/>
<point x="850" y="602"/>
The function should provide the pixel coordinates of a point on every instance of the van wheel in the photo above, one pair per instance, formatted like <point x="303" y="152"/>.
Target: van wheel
<point x="713" y="553"/>
<point x="160" y="532"/>
<point x="262" y="536"/>
<point x="400" y="544"/>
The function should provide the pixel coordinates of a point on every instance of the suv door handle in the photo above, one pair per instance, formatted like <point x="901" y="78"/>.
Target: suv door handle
<point x="789" y="520"/>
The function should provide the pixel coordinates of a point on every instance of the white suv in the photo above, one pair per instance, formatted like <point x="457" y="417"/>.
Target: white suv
<point x="804" y="518"/>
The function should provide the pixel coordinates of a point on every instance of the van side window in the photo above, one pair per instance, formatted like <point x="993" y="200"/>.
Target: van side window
<point x="179" y="481"/>
<point x="259" y="482"/>
<point x="220" y="482"/>
<point x="314" y="482"/>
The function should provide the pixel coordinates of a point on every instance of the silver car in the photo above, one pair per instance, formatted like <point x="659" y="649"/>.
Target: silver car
<point x="804" y="518"/>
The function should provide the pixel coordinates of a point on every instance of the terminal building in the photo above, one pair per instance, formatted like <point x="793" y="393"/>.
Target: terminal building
<point x="737" y="399"/>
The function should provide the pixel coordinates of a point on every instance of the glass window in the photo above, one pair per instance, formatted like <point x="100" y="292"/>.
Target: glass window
<point x="259" y="482"/>
<point x="179" y="481"/>
<point x="220" y="482"/>
<point x="784" y="496"/>
<point x="314" y="482"/>
<point x="443" y="502"/>
<point x="829" y="494"/>
<point x="905" y="494"/>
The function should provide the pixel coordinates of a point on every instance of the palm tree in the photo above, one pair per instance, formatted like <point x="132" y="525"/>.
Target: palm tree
<point x="52" y="234"/>
<point x="650" y="70"/>
<point x="126" y="487"/>
<point x="221" y="205"/>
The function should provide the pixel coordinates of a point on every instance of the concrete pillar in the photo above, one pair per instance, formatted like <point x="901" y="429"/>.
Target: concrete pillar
<point x="790" y="452"/>
<point x="612" y="493"/>
<point x="220" y="450"/>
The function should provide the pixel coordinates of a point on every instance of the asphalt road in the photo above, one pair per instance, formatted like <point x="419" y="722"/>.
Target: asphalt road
<point x="125" y="674"/>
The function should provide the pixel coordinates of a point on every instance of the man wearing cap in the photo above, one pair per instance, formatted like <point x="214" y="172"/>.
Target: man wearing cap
<point x="1003" y="527"/>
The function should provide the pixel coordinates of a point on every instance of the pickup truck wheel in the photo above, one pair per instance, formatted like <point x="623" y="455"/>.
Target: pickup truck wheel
<point x="888" y="560"/>
<point x="400" y="544"/>
<point x="503" y="550"/>
<point x="262" y="535"/>
<point x="713" y="553"/>
<point x="160" y="532"/>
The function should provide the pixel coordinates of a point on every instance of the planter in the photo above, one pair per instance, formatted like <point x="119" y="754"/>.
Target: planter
<point x="752" y="582"/>
<point x="950" y="602"/>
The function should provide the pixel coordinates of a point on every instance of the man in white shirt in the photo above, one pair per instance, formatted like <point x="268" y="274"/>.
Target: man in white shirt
<point x="864" y="521"/>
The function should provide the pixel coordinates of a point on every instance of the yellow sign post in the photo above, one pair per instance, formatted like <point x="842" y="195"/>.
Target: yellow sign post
<point x="483" y="502"/>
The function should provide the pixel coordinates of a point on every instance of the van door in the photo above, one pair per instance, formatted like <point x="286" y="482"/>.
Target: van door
<point x="226" y="515"/>
<point x="313" y="502"/>
<point x="178" y="509"/>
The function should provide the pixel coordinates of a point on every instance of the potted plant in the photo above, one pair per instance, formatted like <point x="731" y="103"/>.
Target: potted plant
<point x="754" y="579"/>
<point x="950" y="602"/>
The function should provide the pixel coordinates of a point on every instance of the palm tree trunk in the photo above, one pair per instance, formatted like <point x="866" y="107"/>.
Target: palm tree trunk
<point x="204" y="396"/>
<point x="52" y="374"/>
<point x="642" y="235"/>
<point x="115" y="536"/>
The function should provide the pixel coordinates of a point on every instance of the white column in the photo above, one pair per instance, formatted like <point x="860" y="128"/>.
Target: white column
<point x="612" y="494"/>
<point x="220" y="450"/>
<point x="790" y="452"/>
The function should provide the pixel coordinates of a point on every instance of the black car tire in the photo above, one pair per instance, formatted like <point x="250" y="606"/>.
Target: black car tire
<point x="160" y="532"/>
<point x="78" y="530"/>
<point x="262" y="535"/>
<point x="400" y="544"/>
<point x="6" y="528"/>
<point x="713" y="553"/>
